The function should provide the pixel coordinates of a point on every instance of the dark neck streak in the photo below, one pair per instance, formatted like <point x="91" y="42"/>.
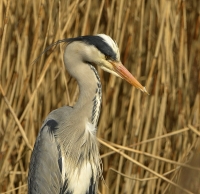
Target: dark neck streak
<point x="97" y="99"/>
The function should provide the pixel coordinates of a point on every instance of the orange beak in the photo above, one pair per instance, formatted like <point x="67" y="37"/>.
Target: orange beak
<point x="125" y="74"/>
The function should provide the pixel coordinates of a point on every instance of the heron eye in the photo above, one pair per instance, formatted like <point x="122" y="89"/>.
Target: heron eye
<point x="107" y="57"/>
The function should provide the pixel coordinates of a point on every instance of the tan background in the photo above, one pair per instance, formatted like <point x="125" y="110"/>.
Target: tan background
<point x="144" y="140"/>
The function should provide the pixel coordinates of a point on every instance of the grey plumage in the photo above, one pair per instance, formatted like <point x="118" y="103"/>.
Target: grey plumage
<point x="66" y="158"/>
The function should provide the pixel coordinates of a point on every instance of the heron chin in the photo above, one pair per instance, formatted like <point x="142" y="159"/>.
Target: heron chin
<point x="65" y="158"/>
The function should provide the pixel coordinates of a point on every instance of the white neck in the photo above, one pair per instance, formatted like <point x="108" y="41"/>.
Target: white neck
<point x="89" y="101"/>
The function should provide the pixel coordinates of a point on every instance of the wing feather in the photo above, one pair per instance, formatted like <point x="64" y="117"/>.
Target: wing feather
<point x="44" y="173"/>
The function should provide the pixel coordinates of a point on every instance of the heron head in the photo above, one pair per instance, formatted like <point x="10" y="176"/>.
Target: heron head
<point x="104" y="52"/>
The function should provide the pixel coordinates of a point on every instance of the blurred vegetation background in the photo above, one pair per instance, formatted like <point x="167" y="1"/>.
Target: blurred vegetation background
<point x="148" y="144"/>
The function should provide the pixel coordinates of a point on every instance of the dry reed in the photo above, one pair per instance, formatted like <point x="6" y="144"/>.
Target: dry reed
<point x="149" y="144"/>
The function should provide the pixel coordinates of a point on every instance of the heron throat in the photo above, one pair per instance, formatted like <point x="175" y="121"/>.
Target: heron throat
<point x="96" y="100"/>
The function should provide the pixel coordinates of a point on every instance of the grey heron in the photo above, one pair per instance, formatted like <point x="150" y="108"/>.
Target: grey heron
<point x="65" y="158"/>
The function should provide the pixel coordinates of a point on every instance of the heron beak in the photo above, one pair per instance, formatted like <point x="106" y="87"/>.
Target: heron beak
<point x="125" y="74"/>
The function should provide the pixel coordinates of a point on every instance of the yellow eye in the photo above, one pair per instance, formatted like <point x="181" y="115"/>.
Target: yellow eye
<point x="107" y="57"/>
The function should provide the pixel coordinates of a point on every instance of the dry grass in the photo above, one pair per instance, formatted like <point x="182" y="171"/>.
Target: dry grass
<point x="145" y="140"/>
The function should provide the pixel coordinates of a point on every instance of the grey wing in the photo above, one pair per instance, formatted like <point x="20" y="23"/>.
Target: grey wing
<point x="44" y="172"/>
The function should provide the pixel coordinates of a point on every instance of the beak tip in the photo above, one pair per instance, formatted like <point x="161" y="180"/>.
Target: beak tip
<point x="144" y="90"/>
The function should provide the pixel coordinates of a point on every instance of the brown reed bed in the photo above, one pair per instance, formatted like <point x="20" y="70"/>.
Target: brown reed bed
<point x="147" y="143"/>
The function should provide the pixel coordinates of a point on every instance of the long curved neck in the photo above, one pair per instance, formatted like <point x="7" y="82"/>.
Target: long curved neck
<point x="89" y="102"/>
<point x="90" y="94"/>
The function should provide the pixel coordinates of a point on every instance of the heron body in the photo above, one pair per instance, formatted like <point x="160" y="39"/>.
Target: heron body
<point x="66" y="157"/>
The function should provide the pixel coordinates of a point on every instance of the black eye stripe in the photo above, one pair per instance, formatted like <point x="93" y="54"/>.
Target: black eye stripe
<point x="99" y="43"/>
